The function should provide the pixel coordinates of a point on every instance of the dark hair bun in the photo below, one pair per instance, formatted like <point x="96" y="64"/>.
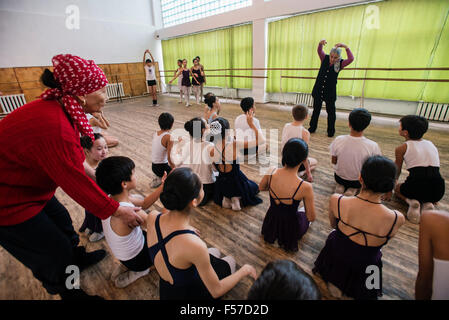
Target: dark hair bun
<point x="181" y="186"/>
<point x="49" y="80"/>
<point x="170" y="200"/>
<point x="379" y="174"/>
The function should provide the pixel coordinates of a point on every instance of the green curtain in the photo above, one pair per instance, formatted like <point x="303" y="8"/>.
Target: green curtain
<point x="390" y="34"/>
<point x="219" y="49"/>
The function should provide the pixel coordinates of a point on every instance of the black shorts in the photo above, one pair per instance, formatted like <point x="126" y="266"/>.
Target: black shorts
<point x="142" y="261"/>
<point x="347" y="183"/>
<point x="151" y="83"/>
<point x="160" y="168"/>
<point x="424" y="184"/>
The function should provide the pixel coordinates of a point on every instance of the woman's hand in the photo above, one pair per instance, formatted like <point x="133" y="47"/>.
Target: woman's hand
<point x="323" y="42"/>
<point x="170" y="81"/>
<point x="129" y="216"/>
<point x="249" y="270"/>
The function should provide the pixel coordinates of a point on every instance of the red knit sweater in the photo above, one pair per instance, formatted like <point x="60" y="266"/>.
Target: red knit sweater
<point x="40" y="151"/>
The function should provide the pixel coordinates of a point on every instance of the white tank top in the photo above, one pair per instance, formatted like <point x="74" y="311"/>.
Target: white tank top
<point x="421" y="153"/>
<point x="158" y="151"/>
<point x="195" y="156"/>
<point x="127" y="247"/>
<point x="440" y="288"/>
<point x="291" y="131"/>
<point x="150" y="73"/>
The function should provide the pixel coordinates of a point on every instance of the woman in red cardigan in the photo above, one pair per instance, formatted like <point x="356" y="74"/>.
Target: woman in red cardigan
<point x="40" y="151"/>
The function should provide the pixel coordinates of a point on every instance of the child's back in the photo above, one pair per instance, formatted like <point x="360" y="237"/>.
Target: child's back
<point x="158" y="150"/>
<point x="351" y="153"/>
<point x="293" y="130"/>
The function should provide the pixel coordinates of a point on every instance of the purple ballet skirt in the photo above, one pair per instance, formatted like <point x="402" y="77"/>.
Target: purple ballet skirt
<point x="235" y="184"/>
<point x="284" y="223"/>
<point x="343" y="263"/>
<point x="91" y="222"/>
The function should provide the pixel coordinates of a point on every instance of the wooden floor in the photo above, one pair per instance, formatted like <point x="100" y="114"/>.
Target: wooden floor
<point x="234" y="233"/>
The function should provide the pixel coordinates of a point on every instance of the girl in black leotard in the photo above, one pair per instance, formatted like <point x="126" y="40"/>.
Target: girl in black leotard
<point x="286" y="221"/>
<point x="187" y="269"/>
<point x="363" y="225"/>
<point x="197" y="79"/>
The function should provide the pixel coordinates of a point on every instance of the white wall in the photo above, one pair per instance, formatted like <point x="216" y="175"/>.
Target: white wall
<point x="259" y="10"/>
<point x="110" y="31"/>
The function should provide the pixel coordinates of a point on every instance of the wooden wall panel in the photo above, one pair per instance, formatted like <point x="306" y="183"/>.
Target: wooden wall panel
<point x="26" y="80"/>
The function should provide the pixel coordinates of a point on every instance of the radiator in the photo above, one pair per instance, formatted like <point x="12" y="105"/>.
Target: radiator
<point x="231" y="93"/>
<point x="304" y="98"/>
<point x="12" y="102"/>
<point x="115" y="90"/>
<point x="433" y="111"/>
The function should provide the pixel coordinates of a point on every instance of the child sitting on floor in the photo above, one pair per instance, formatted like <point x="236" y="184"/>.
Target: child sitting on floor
<point x="195" y="154"/>
<point x="116" y="176"/>
<point x="232" y="188"/>
<point x="243" y="131"/>
<point x="424" y="185"/>
<point x="362" y="226"/>
<point x="212" y="109"/>
<point x="95" y="152"/>
<point x="296" y="129"/>
<point x="284" y="220"/>
<point x="161" y="149"/>
<point x="350" y="151"/>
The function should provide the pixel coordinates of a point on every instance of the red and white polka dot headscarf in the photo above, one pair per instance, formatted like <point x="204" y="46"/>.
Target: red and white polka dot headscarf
<point x="77" y="77"/>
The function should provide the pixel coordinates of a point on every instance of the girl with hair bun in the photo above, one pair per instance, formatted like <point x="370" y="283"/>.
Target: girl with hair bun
<point x="285" y="220"/>
<point x="363" y="225"/>
<point x="195" y="153"/>
<point x="212" y="109"/>
<point x="187" y="268"/>
<point x="232" y="188"/>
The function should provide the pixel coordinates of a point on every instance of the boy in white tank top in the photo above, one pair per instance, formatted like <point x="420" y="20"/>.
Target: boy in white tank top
<point x="424" y="186"/>
<point x="161" y="148"/>
<point x="296" y="129"/>
<point x="116" y="176"/>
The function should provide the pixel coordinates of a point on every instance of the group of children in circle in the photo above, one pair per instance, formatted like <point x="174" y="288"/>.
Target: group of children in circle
<point x="205" y="165"/>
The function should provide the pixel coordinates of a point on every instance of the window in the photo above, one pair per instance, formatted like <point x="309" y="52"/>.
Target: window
<point x="181" y="11"/>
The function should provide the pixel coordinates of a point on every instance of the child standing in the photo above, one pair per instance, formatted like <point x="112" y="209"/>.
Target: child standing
<point x="424" y="185"/>
<point x="179" y="80"/>
<point x="296" y="129"/>
<point x="150" y="75"/>
<point x="95" y="152"/>
<point x="350" y="151"/>
<point x="185" y="82"/>
<point x="116" y="176"/>
<point x="197" y="79"/>
<point x="285" y="221"/>
<point x="161" y="149"/>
